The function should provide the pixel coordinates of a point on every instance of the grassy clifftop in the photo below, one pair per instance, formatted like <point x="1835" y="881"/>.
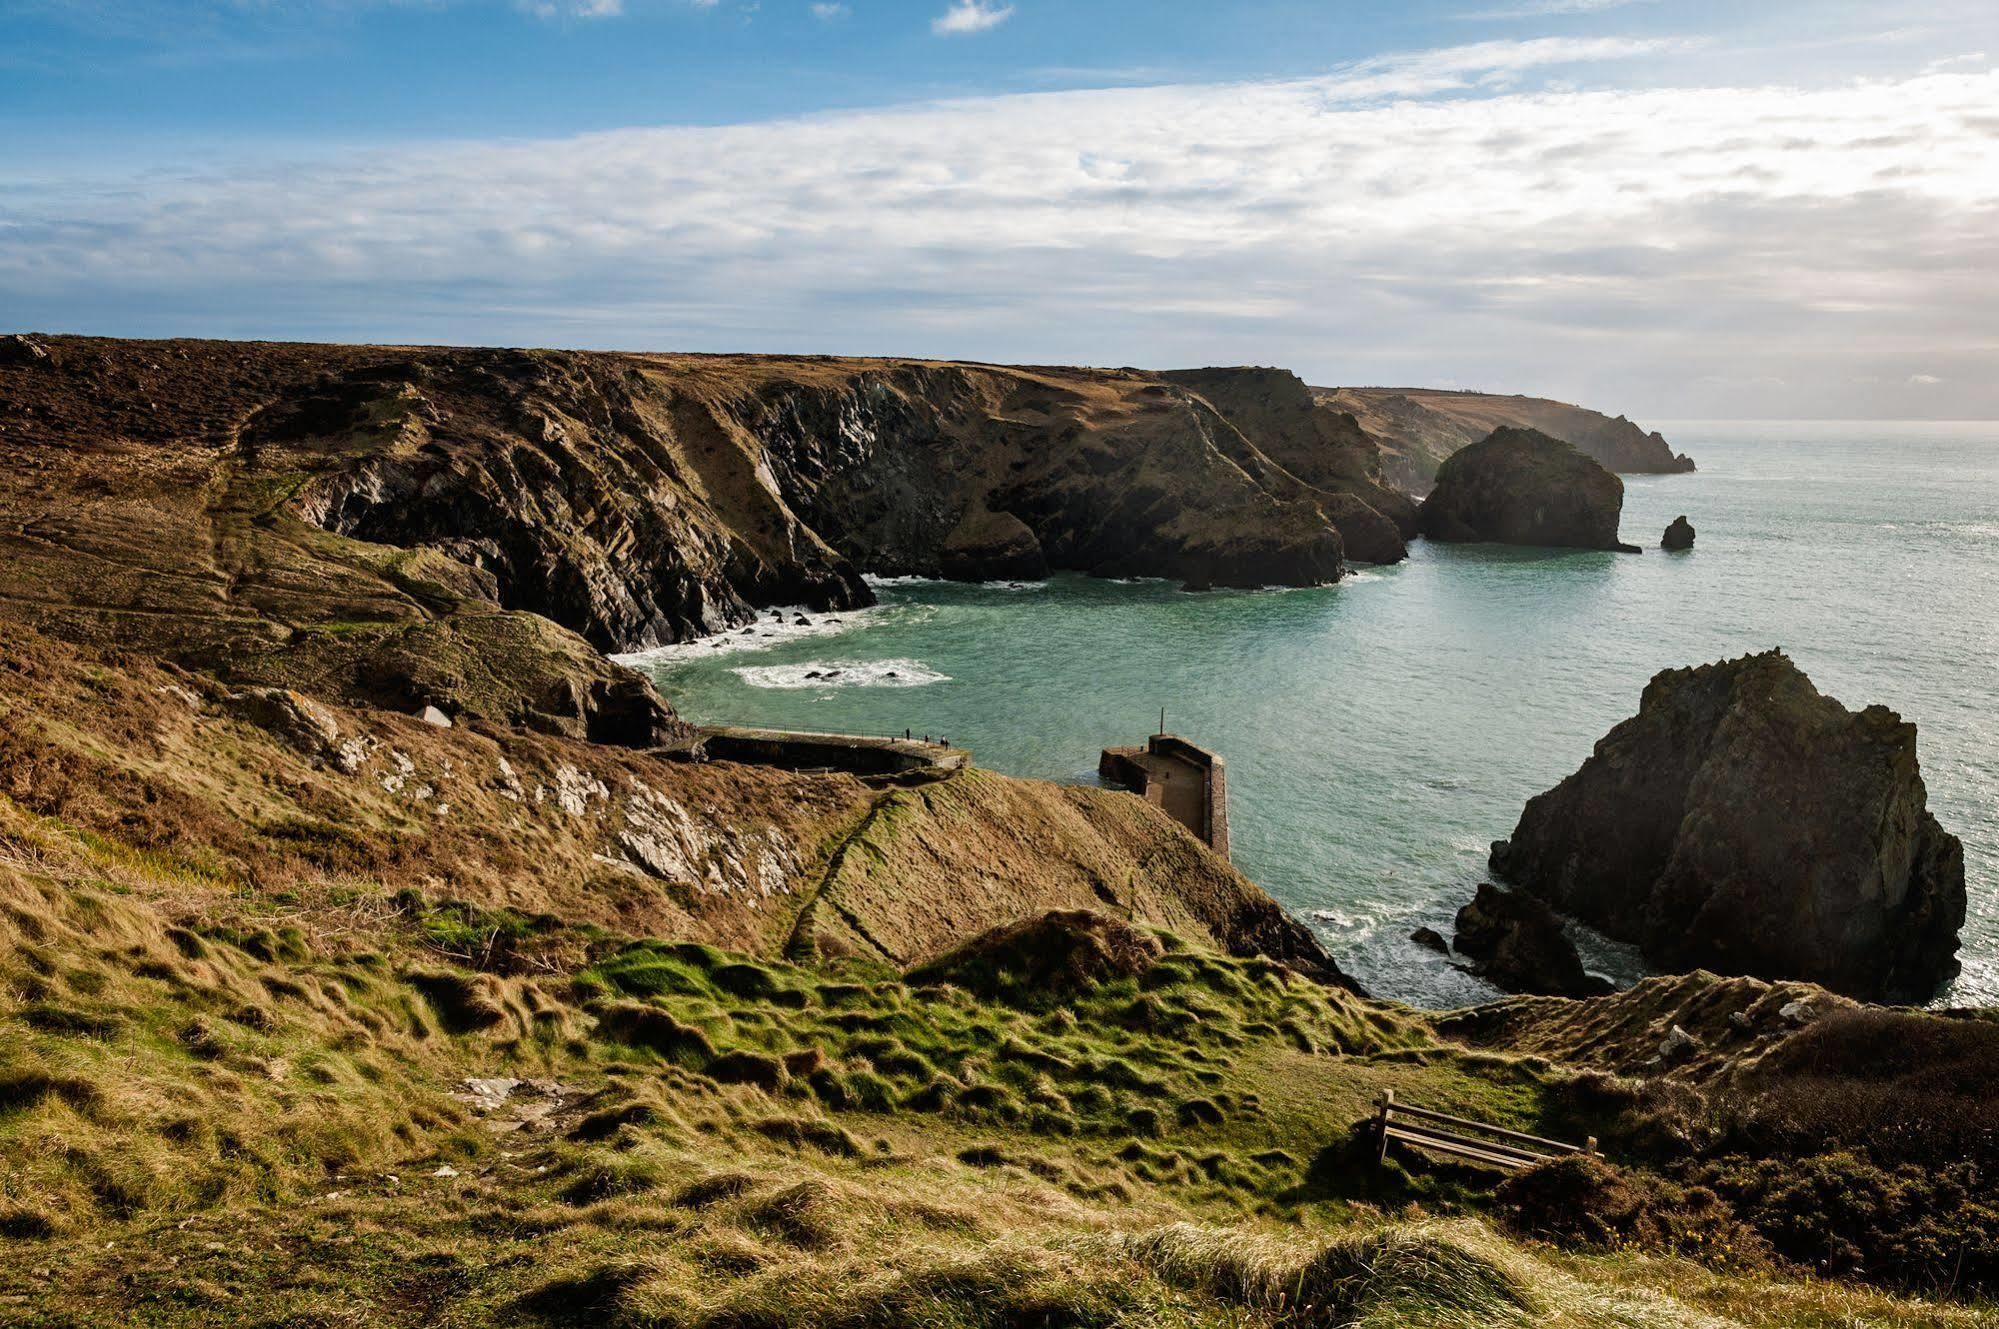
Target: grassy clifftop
<point x="439" y="1116"/>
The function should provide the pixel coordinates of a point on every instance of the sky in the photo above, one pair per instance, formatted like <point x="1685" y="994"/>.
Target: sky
<point x="1668" y="208"/>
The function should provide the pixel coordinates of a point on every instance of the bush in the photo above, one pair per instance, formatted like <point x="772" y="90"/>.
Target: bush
<point x="755" y="1068"/>
<point x="1841" y="1214"/>
<point x="1045" y="961"/>
<point x="465" y="1003"/>
<point x="1578" y="1201"/>
<point x="1411" y="1274"/>
<point x="1903" y="1086"/>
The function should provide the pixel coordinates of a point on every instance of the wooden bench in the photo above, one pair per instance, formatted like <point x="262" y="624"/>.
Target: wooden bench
<point x="1462" y="1138"/>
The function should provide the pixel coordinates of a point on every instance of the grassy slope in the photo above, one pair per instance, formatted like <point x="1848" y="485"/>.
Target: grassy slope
<point x="216" y="1123"/>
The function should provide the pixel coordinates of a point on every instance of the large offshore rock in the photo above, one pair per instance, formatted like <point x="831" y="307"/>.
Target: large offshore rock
<point x="1742" y="822"/>
<point x="1521" y="487"/>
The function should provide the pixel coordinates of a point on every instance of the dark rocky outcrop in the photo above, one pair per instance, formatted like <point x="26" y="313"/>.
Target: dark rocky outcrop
<point x="1416" y="429"/>
<point x="1520" y="946"/>
<point x="19" y="349"/>
<point x="992" y="546"/>
<point x="1679" y="535"/>
<point x="1431" y="940"/>
<point x="1744" y="823"/>
<point x="1323" y="447"/>
<point x="1524" y="488"/>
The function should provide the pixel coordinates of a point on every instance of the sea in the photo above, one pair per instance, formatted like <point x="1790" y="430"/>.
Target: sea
<point x="1382" y="732"/>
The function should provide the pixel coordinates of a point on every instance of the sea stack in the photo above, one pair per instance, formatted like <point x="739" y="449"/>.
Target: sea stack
<point x="1744" y="823"/>
<point x="1521" y="487"/>
<point x="1679" y="536"/>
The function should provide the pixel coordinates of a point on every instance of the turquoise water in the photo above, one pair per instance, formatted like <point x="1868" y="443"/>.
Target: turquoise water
<point x="1381" y="732"/>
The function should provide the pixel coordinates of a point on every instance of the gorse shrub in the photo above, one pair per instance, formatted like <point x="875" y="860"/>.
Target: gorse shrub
<point x="1929" y="1229"/>
<point x="1581" y="1201"/>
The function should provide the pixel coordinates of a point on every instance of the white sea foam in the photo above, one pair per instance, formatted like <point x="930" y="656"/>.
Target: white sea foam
<point x="774" y="627"/>
<point x="842" y="674"/>
<point x="893" y="583"/>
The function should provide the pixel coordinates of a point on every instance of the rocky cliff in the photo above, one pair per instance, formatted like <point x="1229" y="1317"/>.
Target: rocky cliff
<point x="1744" y="823"/>
<point x="640" y="499"/>
<point x="1324" y="447"/>
<point x="1521" y="487"/>
<point x="1417" y="428"/>
<point x="342" y="606"/>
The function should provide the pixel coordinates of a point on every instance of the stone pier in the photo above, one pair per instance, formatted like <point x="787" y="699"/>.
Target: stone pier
<point x="856" y="754"/>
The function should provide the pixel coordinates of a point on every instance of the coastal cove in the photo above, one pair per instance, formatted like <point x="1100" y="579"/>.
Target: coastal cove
<point x="1381" y="732"/>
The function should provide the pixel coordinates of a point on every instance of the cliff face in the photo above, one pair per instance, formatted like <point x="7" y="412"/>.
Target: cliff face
<point x="1744" y="823"/>
<point x="974" y="471"/>
<point x="638" y="500"/>
<point x="1418" y="428"/>
<point x="1523" y="488"/>
<point x="574" y="487"/>
<point x="274" y="558"/>
<point x="1325" y="448"/>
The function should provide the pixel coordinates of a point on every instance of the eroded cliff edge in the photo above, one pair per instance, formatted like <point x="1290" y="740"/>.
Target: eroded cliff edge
<point x="1418" y="428"/>
<point x="644" y="499"/>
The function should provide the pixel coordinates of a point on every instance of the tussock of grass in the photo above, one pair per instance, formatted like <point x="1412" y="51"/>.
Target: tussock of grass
<point x="1441" y="1275"/>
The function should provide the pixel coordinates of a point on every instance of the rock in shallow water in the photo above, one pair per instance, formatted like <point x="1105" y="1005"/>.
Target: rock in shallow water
<point x="1744" y="823"/>
<point x="1679" y="536"/>
<point x="1520" y="946"/>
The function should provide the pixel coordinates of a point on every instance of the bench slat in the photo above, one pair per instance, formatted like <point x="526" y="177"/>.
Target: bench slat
<point x="1420" y="1134"/>
<point x="1405" y="1109"/>
<point x="1438" y="1144"/>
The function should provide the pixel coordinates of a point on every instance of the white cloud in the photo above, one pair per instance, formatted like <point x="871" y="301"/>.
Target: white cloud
<point x="576" y="8"/>
<point x="1925" y="380"/>
<point x="829" y="13"/>
<point x="969" y="16"/>
<point x="1550" y="8"/>
<point x="1703" y="250"/>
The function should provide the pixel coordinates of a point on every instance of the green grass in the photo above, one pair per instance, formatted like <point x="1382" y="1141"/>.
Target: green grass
<point x="207" y="1121"/>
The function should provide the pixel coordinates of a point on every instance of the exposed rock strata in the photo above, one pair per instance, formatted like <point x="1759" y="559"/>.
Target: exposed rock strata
<point x="1324" y="447"/>
<point x="974" y="470"/>
<point x="280" y="786"/>
<point x="1523" y="488"/>
<point x="1417" y="428"/>
<point x="1744" y="823"/>
<point x="638" y="500"/>
<point x="1520" y="946"/>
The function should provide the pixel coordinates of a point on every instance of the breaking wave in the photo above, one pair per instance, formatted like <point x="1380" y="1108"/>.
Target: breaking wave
<point x="847" y="674"/>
